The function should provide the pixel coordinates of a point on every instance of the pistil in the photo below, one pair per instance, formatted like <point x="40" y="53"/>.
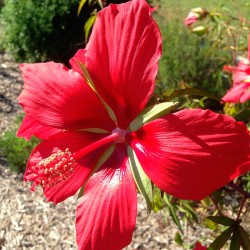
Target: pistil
<point x="60" y="165"/>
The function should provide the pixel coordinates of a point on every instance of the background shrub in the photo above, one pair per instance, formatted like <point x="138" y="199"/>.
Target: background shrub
<point x="42" y="30"/>
<point x="192" y="60"/>
<point x="16" y="150"/>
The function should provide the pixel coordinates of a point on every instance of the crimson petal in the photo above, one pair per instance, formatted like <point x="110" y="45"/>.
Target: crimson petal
<point x="30" y="127"/>
<point x="123" y="60"/>
<point x="191" y="153"/>
<point x="106" y="215"/>
<point x="57" y="97"/>
<point x="236" y="93"/>
<point x="74" y="141"/>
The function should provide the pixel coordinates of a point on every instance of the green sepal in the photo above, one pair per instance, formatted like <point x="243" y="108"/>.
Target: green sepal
<point x="220" y="241"/>
<point x="142" y="181"/>
<point x="222" y="220"/>
<point x="173" y="93"/>
<point x="151" y="113"/>
<point x="89" y="81"/>
<point x="94" y="130"/>
<point x="81" y="192"/>
<point x="244" y="238"/>
<point x="103" y="158"/>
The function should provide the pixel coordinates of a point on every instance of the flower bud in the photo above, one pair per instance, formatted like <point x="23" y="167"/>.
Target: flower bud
<point x="195" y="15"/>
<point x="200" y="30"/>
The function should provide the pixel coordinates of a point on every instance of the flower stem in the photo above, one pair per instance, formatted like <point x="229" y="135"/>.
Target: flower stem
<point x="216" y="204"/>
<point x="239" y="189"/>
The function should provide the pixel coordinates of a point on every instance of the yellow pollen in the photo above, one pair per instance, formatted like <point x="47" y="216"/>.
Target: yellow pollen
<point x="53" y="169"/>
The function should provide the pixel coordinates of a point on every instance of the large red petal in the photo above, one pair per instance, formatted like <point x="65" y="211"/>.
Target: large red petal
<point x="122" y="56"/>
<point x="238" y="93"/>
<point x="191" y="153"/>
<point x="58" y="97"/>
<point x="106" y="215"/>
<point x="30" y="127"/>
<point x="74" y="141"/>
<point x="241" y="72"/>
<point x="234" y="94"/>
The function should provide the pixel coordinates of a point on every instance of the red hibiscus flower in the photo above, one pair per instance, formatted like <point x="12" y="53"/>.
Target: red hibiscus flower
<point x="240" y="92"/>
<point x="198" y="246"/>
<point x="98" y="135"/>
<point x="191" y="18"/>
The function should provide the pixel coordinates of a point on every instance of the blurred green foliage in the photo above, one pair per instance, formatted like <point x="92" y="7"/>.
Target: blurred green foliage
<point x="14" y="150"/>
<point x="42" y="30"/>
<point x="189" y="60"/>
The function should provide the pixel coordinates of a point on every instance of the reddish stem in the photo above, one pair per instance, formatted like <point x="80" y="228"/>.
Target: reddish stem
<point x="78" y="155"/>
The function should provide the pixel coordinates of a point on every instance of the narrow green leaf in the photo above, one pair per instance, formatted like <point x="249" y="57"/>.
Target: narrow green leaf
<point x="173" y="93"/>
<point x="151" y="113"/>
<point x="190" y="210"/>
<point x="88" y="25"/>
<point x="103" y="158"/>
<point x="220" y="241"/>
<point x="141" y="179"/>
<point x="172" y="212"/>
<point x="222" y="220"/>
<point x="94" y="130"/>
<point x="244" y="238"/>
<point x="243" y="116"/>
<point x="81" y="4"/>
<point x="100" y="3"/>
<point x="178" y="239"/>
<point x="235" y="241"/>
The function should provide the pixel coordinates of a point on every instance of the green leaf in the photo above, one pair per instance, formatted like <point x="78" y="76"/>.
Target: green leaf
<point x="173" y="93"/>
<point x="172" y="211"/>
<point x="235" y="241"/>
<point x="81" y="4"/>
<point x="222" y="220"/>
<point x="220" y="241"/>
<point x="141" y="179"/>
<point x="88" y="25"/>
<point x="157" y="201"/>
<point x="178" y="239"/>
<point x="243" y="116"/>
<point x="151" y="113"/>
<point x="244" y="238"/>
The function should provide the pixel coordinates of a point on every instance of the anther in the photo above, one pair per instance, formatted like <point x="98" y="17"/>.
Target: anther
<point x="52" y="170"/>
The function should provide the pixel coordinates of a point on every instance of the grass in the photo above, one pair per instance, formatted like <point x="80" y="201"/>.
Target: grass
<point x="180" y="8"/>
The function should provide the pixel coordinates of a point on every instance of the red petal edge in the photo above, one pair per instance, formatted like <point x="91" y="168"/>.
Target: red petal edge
<point x="30" y="127"/>
<point x="57" y="97"/>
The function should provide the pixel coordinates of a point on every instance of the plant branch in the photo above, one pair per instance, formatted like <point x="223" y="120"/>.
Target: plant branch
<point x="216" y="204"/>
<point x="239" y="189"/>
